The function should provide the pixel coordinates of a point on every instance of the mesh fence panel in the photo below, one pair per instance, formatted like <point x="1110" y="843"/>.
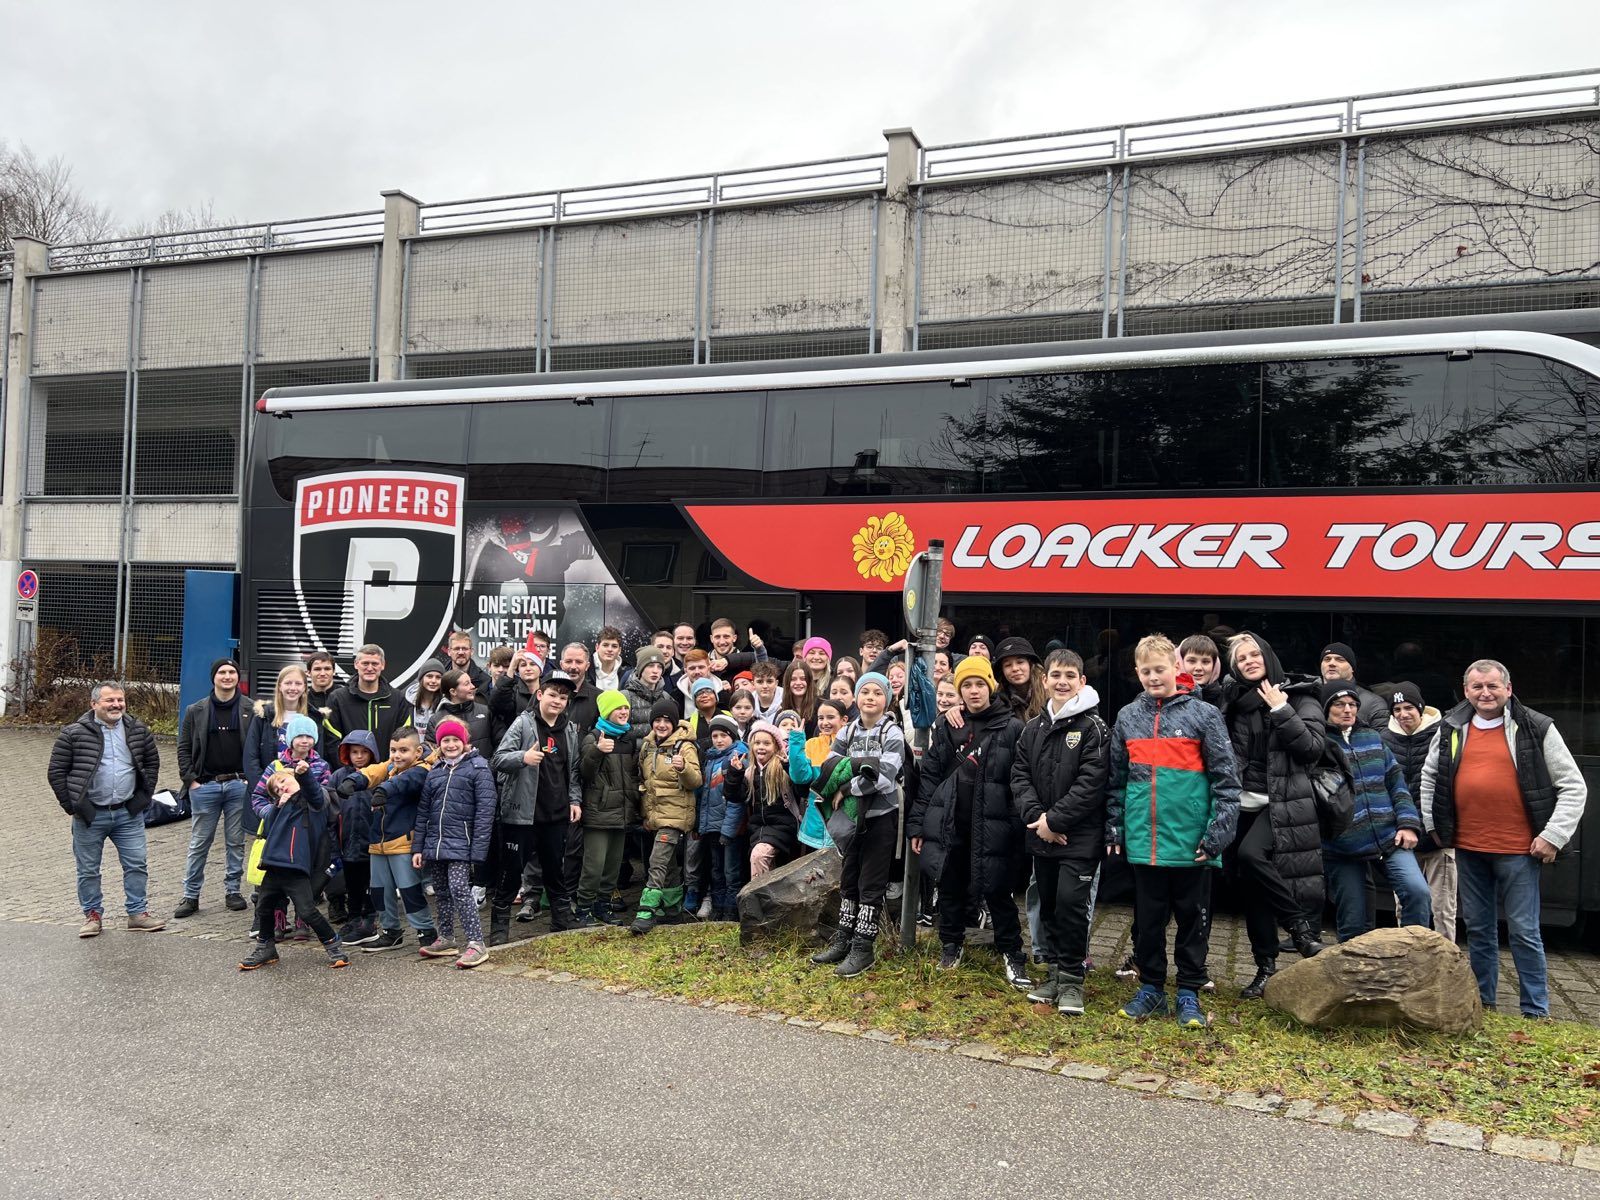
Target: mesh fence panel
<point x="792" y="269"/>
<point x="186" y="432"/>
<point x="315" y="305"/>
<point x="154" y="648"/>
<point x="79" y="601"/>
<point x="791" y="345"/>
<point x="312" y="374"/>
<point x="627" y="287"/>
<point x="194" y="315"/>
<point x="184" y="531"/>
<point x="80" y="323"/>
<point x="440" y="366"/>
<point x="1230" y="243"/>
<point x="472" y="293"/>
<point x="75" y="428"/>
<point x="997" y="259"/>
<point x="1466" y="221"/>
<point x="620" y="357"/>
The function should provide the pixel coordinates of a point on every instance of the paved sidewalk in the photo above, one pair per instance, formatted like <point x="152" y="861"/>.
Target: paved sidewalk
<point x="39" y="886"/>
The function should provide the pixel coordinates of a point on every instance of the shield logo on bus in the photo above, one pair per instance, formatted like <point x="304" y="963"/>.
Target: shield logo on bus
<point x="377" y="558"/>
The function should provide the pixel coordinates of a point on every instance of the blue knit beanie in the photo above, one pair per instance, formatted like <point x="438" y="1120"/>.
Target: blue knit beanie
<point x="877" y="678"/>
<point x="299" y="725"/>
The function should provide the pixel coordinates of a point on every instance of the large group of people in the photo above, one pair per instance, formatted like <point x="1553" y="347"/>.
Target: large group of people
<point x="543" y="776"/>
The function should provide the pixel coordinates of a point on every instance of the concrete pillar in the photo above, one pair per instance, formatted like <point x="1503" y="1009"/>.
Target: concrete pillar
<point x="401" y="219"/>
<point x="897" y="251"/>
<point x="31" y="257"/>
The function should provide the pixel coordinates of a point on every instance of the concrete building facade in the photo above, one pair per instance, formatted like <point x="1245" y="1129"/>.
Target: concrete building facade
<point x="131" y="365"/>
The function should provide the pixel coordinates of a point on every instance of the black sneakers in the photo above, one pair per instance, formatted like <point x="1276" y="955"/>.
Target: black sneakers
<point x="950" y="956"/>
<point x="262" y="954"/>
<point x="387" y="939"/>
<point x="235" y="902"/>
<point x="187" y="907"/>
<point x="1017" y="972"/>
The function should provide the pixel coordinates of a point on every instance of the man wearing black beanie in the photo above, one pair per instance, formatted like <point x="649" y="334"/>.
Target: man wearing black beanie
<point x="1339" y="662"/>
<point x="211" y="739"/>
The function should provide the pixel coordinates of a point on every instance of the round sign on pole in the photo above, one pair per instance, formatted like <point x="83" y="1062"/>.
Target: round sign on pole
<point x="28" y="585"/>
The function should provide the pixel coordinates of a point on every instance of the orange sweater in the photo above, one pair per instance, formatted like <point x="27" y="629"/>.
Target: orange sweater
<point x="1490" y="815"/>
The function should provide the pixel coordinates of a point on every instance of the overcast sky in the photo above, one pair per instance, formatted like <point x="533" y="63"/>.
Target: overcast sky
<point x="295" y="108"/>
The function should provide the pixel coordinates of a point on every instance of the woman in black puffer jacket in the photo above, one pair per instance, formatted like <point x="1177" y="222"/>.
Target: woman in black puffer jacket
<point x="1276" y="724"/>
<point x="963" y="822"/>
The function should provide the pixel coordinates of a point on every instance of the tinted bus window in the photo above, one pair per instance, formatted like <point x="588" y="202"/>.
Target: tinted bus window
<point x="343" y="438"/>
<point x="538" y="450"/>
<point x="878" y="439"/>
<point x="663" y="447"/>
<point x="1425" y="421"/>
<point x="1186" y="427"/>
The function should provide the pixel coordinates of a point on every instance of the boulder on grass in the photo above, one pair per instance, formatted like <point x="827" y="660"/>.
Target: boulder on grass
<point x="1409" y="976"/>
<point x="791" y="897"/>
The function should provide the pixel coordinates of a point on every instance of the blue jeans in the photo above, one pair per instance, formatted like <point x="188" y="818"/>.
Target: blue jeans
<point x="1504" y="884"/>
<point x="127" y="835"/>
<point x="1347" y="880"/>
<point x="392" y="873"/>
<point x="207" y="802"/>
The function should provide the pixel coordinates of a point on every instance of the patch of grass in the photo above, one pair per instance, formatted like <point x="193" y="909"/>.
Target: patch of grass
<point x="1514" y="1076"/>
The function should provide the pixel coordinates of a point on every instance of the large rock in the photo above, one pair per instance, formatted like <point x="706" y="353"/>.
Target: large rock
<point x="1409" y="976"/>
<point x="792" y="897"/>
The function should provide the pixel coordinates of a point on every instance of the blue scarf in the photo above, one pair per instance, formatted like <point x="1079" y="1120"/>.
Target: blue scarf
<point x="610" y="730"/>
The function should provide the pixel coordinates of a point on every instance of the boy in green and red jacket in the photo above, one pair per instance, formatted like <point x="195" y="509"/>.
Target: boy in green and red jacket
<point x="1172" y="808"/>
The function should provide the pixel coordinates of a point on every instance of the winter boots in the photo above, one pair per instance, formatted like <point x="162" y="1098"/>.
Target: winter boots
<point x="1305" y="939"/>
<point x="651" y="901"/>
<point x="839" y="944"/>
<point x="861" y="955"/>
<point x="1044" y="988"/>
<point x="1266" y="968"/>
<point x="499" y="926"/>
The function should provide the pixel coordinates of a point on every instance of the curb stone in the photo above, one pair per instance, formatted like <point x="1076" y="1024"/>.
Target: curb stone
<point x="1452" y="1134"/>
<point x="1532" y="1149"/>
<point x="1140" y="1081"/>
<point x="1390" y="1124"/>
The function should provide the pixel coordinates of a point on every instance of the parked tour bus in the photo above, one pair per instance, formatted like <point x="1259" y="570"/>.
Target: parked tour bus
<point x="1427" y="492"/>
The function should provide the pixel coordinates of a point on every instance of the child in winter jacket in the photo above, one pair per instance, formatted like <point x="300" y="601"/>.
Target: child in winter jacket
<point x="721" y="822"/>
<point x="391" y="790"/>
<point x="669" y="767"/>
<point x="1058" y="785"/>
<point x="301" y="737"/>
<point x="1172" y="806"/>
<point x="455" y="819"/>
<point x="292" y="806"/>
<point x="1384" y="826"/>
<point x="774" y="810"/>
<point x="609" y="768"/>
<point x="351" y="820"/>
<point x="876" y="749"/>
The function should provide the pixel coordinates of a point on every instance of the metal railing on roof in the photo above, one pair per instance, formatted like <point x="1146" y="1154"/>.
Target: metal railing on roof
<point x="1243" y="128"/>
<point x="188" y="244"/>
<point x="817" y="179"/>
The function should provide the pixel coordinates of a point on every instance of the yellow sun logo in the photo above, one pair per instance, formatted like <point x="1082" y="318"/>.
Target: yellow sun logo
<point x="883" y="547"/>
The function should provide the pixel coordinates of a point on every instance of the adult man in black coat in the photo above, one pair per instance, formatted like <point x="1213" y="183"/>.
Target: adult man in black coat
<point x="103" y="771"/>
<point x="1339" y="662"/>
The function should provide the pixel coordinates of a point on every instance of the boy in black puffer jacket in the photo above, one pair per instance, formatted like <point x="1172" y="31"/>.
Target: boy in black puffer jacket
<point x="963" y="822"/>
<point x="1058" y="784"/>
<point x="352" y="831"/>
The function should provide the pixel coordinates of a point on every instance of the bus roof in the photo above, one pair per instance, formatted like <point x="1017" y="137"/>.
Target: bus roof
<point x="1543" y="334"/>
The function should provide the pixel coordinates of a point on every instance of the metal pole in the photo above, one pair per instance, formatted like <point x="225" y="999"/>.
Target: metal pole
<point x="923" y="635"/>
<point x="1105" y="282"/>
<point x="872" y="289"/>
<point x="1122" y="264"/>
<point x="1361" y="225"/>
<point x="916" y="269"/>
<point x="1338" y="252"/>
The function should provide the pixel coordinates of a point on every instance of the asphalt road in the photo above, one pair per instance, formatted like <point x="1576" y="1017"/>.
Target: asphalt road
<point x="148" y="1066"/>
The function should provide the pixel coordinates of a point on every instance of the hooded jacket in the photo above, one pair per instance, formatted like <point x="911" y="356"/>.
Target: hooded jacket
<point x="455" y="816"/>
<point x="1060" y="773"/>
<point x="393" y="796"/>
<point x="986" y="746"/>
<point x="720" y="802"/>
<point x="76" y="755"/>
<point x="523" y="801"/>
<point x="379" y="714"/>
<point x="610" y="782"/>
<point x="1552" y="786"/>
<point x="668" y="800"/>
<point x="1278" y="748"/>
<point x="1383" y="805"/>
<point x="1173" y="787"/>
<point x="296" y="829"/>
<point x="350" y="817"/>
<point x="1410" y="750"/>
